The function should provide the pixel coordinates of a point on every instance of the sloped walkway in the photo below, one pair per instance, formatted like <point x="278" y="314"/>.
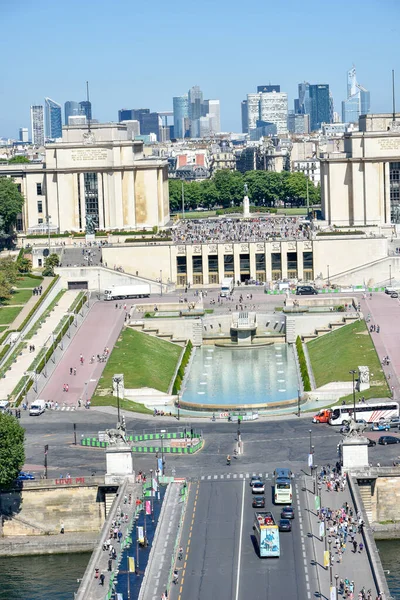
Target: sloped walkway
<point x="30" y="304"/>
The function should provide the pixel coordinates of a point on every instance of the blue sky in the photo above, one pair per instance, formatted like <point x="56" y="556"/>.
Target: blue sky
<point x="140" y="54"/>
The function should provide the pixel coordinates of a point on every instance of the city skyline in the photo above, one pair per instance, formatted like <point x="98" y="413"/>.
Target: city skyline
<point x="152" y="84"/>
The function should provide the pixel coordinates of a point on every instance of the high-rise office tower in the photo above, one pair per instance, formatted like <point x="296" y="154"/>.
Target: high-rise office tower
<point x="53" y="119"/>
<point x="181" y="115"/>
<point x="212" y="109"/>
<point x="274" y="109"/>
<point x="303" y="104"/>
<point x="86" y="109"/>
<point x="37" y="125"/>
<point x="23" y="134"/>
<point x="358" y="99"/>
<point x="320" y="111"/>
<point x="150" y="123"/>
<point x="253" y="111"/>
<point x="267" y="89"/>
<point x="243" y="107"/>
<point x="71" y="109"/>
<point x="196" y="109"/>
<point x="125" y="114"/>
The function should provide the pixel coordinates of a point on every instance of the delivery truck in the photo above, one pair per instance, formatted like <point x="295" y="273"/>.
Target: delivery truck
<point x="121" y="292"/>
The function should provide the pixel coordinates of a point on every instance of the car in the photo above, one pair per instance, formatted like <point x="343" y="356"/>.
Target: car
<point x="25" y="476"/>
<point x="371" y="443"/>
<point x="258" y="487"/>
<point x="258" y="502"/>
<point x="254" y="479"/>
<point x="381" y="426"/>
<point x="394" y="422"/>
<point x="287" y="512"/>
<point x="394" y="295"/>
<point x="285" y="525"/>
<point x="305" y="290"/>
<point x="388" y="439"/>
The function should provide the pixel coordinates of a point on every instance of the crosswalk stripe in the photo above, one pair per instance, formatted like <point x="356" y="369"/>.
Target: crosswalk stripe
<point x="221" y="476"/>
<point x="241" y="475"/>
<point x="202" y="477"/>
<point x="234" y="477"/>
<point x="215" y="476"/>
<point x="209" y="477"/>
<point x="247" y="475"/>
<point x="228" y="476"/>
<point x="254" y="475"/>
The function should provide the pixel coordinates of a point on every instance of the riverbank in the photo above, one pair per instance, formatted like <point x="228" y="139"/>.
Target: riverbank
<point x="67" y="543"/>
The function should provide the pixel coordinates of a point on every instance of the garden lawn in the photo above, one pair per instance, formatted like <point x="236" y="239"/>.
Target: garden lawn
<point x="145" y="361"/>
<point x="28" y="282"/>
<point x="19" y="297"/>
<point x="335" y="354"/>
<point x="124" y="404"/>
<point x="8" y="314"/>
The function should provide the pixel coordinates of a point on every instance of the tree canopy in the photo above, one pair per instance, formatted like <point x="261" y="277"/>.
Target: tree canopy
<point x="50" y="262"/>
<point x="226" y="188"/>
<point x="11" y="203"/>
<point x="19" y="160"/>
<point x="12" y="454"/>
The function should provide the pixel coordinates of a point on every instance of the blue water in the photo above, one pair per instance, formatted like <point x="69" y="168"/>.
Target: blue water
<point x="242" y="375"/>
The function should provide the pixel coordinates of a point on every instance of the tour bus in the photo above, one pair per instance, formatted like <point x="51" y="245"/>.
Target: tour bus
<point x="267" y="534"/>
<point x="283" y="493"/>
<point x="371" y="412"/>
<point x="227" y="286"/>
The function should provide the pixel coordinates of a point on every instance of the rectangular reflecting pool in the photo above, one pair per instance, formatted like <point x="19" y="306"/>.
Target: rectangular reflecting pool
<point x="228" y="376"/>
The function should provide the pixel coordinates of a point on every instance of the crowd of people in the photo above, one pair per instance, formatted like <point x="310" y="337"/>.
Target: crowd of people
<point x="240" y="230"/>
<point x="344" y="527"/>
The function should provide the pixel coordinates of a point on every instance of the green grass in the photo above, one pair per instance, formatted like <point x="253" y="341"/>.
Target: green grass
<point x="28" y="282"/>
<point x="3" y="328"/>
<point x="335" y="354"/>
<point x="124" y="404"/>
<point x="19" y="297"/>
<point x="8" y="314"/>
<point x="145" y="361"/>
<point x="198" y="214"/>
<point x="44" y="316"/>
<point x="12" y="358"/>
<point x="292" y="211"/>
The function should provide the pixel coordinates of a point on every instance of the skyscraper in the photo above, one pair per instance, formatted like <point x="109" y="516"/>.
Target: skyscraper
<point x="245" y="127"/>
<point x="125" y="114"/>
<point x="358" y="99"/>
<point x="23" y="134"/>
<point x="86" y="109"/>
<point x="212" y="109"/>
<point x="274" y="109"/>
<point x="267" y="89"/>
<point x="150" y="123"/>
<point x="37" y="125"/>
<point x="253" y="111"/>
<point x="71" y="109"/>
<point x="53" y="119"/>
<point x="181" y="115"/>
<point x="320" y="111"/>
<point x="196" y="109"/>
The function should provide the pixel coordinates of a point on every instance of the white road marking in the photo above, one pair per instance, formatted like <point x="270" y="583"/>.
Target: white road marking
<point x="215" y="476"/>
<point x="209" y="477"/>
<point x="202" y="477"/>
<point x="240" y="544"/>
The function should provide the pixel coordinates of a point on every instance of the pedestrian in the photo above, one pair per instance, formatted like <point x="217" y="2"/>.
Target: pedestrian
<point x="109" y="564"/>
<point x="70" y="370"/>
<point x="62" y="530"/>
<point x="360" y="547"/>
<point x="74" y="370"/>
<point x="119" y="536"/>
<point x="355" y="546"/>
<point x="102" y="578"/>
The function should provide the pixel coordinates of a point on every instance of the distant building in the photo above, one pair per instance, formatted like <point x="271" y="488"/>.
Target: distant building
<point x="253" y="111"/>
<point x="213" y="112"/>
<point x="150" y="123"/>
<point x="53" y="119"/>
<point x="358" y="99"/>
<point x="86" y="109"/>
<point x="37" y="125"/>
<point x="267" y="89"/>
<point x="274" y="109"/>
<point x="310" y="168"/>
<point x="263" y="129"/>
<point x="77" y="120"/>
<point x="298" y="123"/>
<point x="181" y="116"/>
<point x="71" y="109"/>
<point x="244" y="113"/>
<point x="23" y="134"/>
<point x="320" y="105"/>
<point x="125" y="114"/>
<point x="133" y="128"/>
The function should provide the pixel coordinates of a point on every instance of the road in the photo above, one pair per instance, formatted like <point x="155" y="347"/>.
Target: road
<point x="220" y="552"/>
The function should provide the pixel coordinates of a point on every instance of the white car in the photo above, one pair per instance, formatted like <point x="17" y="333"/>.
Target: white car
<point x="258" y="487"/>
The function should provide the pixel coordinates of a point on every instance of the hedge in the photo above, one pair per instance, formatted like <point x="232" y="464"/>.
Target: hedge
<point x="4" y="351"/>
<point x="77" y="305"/>
<point x="303" y="365"/>
<point x="5" y="335"/>
<point x="181" y="371"/>
<point x="253" y="209"/>
<point x="333" y="233"/>
<point x="41" y="298"/>
<point x="160" y="239"/>
<point x="106" y="233"/>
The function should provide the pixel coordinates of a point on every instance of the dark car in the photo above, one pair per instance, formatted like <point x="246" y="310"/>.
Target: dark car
<point x="287" y="513"/>
<point x="371" y="443"/>
<point x="258" y="502"/>
<point x="23" y="476"/>
<point x="285" y="525"/>
<point x="388" y="439"/>
<point x="394" y="295"/>
<point x="305" y="290"/>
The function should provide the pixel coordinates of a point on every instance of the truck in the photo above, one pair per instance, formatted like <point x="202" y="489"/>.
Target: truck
<point x="322" y="416"/>
<point x="266" y="532"/>
<point x="226" y="286"/>
<point x="37" y="408"/>
<point x="120" y="292"/>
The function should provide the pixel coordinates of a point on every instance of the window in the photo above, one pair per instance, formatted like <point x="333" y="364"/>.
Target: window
<point x="40" y="262"/>
<point x="245" y="263"/>
<point x="213" y="264"/>
<point x="19" y="187"/>
<point x="39" y="189"/>
<point x="197" y="262"/>
<point x="260" y="262"/>
<point x="40" y="221"/>
<point x="181" y="265"/>
<point x="40" y="206"/>
<point x="19" y="223"/>
<point x="91" y="197"/>
<point x="213" y="278"/>
<point x="228" y="264"/>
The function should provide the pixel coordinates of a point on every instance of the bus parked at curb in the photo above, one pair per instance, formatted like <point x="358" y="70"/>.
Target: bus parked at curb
<point x="283" y="492"/>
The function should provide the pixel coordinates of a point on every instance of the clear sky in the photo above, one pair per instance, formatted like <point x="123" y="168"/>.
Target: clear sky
<point x="141" y="54"/>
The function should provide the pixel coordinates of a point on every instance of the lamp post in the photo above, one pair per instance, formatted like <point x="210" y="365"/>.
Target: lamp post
<point x="319" y="494"/>
<point x="329" y="283"/>
<point x="46" y="449"/>
<point x="390" y="275"/>
<point x="311" y="454"/>
<point x="48" y="217"/>
<point x="117" y="381"/>
<point x="330" y="561"/>
<point x="162" y="453"/>
<point x="98" y="281"/>
<point x="161" y="282"/>
<point x="352" y="373"/>
<point x="336" y="585"/>
<point x="74" y="434"/>
<point x="178" y="406"/>
<point x="298" y="403"/>
<point x="151" y="497"/>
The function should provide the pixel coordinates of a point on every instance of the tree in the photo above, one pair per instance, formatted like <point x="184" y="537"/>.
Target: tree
<point x="12" y="454"/>
<point x="175" y="194"/>
<point x="50" y="262"/>
<point x="209" y="194"/>
<point x="24" y="265"/>
<point x="11" y="202"/>
<point x="19" y="160"/>
<point x="230" y="187"/>
<point x="9" y="268"/>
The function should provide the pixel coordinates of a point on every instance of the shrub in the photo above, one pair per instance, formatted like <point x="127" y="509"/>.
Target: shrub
<point x="4" y="351"/>
<point x="135" y="240"/>
<point x="34" y="309"/>
<point x="303" y="365"/>
<point x="181" y="370"/>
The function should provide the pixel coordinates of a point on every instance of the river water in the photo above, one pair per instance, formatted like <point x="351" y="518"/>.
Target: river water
<point x="55" y="577"/>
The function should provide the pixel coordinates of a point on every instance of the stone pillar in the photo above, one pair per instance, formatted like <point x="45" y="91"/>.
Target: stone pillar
<point x="119" y="462"/>
<point x="355" y="452"/>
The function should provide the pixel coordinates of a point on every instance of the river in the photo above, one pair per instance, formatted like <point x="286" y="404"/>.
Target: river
<point x="55" y="577"/>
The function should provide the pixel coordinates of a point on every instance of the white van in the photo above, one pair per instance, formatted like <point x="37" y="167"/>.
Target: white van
<point x="37" y="407"/>
<point x="4" y="405"/>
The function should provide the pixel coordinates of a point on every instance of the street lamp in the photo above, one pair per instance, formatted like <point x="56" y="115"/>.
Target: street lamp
<point x="330" y="561"/>
<point x="48" y="217"/>
<point x="161" y="282"/>
<point x="352" y="373"/>
<point x="311" y="454"/>
<point x="390" y="275"/>
<point x="151" y="497"/>
<point x="298" y="403"/>
<point x="117" y="381"/>
<point x="178" y="406"/>
<point x="336" y="585"/>
<point x="329" y="283"/>
<point x="162" y="453"/>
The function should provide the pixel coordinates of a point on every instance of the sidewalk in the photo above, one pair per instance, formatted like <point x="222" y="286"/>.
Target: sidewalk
<point x="156" y="579"/>
<point x="23" y="362"/>
<point x="354" y="566"/>
<point x="30" y="304"/>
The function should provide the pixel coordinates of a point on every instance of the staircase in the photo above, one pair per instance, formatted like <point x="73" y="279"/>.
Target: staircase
<point x="365" y="493"/>
<point x="108" y="500"/>
<point x="320" y="331"/>
<point x="290" y="330"/>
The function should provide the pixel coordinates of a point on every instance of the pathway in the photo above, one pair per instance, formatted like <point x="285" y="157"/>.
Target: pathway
<point x="30" y="304"/>
<point x="25" y="359"/>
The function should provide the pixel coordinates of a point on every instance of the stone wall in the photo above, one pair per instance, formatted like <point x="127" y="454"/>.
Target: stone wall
<point x="41" y="510"/>
<point x="386" y="499"/>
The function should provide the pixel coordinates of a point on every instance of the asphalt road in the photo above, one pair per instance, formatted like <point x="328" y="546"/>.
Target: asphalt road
<point x="220" y="552"/>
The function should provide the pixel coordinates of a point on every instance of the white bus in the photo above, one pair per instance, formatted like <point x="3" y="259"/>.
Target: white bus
<point x="371" y="412"/>
<point x="227" y="286"/>
<point x="283" y="493"/>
